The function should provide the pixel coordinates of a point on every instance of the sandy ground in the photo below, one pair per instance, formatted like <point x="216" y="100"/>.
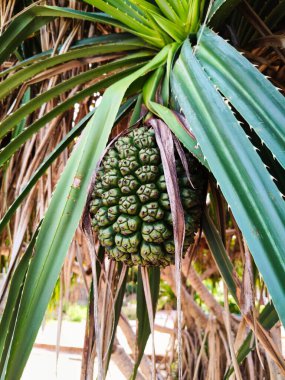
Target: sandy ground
<point x="42" y="363"/>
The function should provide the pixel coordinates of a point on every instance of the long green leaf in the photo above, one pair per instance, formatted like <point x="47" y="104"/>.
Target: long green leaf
<point x="62" y="218"/>
<point x="15" y="144"/>
<point x="219" y="253"/>
<point x="180" y="8"/>
<point x="137" y="27"/>
<point x="12" y="305"/>
<point x="165" y="88"/>
<point x="84" y="42"/>
<point x="52" y="156"/>
<point x="175" y="31"/>
<point x="117" y="311"/>
<point x="169" y="116"/>
<point x="168" y="11"/>
<point x="130" y="9"/>
<point x="255" y="98"/>
<point x="250" y="192"/>
<point x="10" y="122"/>
<point x="98" y="49"/>
<point x="143" y="331"/>
<point x="125" y="12"/>
<point x="34" y="17"/>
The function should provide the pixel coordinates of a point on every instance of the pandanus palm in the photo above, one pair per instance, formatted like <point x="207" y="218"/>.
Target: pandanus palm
<point x="172" y="71"/>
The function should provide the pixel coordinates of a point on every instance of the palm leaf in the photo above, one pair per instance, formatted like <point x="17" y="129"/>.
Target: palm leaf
<point x="10" y="314"/>
<point x="84" y="42"/>
<point x="168" y="10"/>
<point x="218" y="250"/>
<point x="125" y="16"/>
<point x="34" y="17"/>
<point x="12" y="120"/>
<point x="254" y="97"/>
<point x="16" y="143"/>
<point x="51" y="158"/>
<point x="62" y="218"/>
<point x="255" y="201"/>
<point x="143" y="325"/>
<point x="98" y="49"/>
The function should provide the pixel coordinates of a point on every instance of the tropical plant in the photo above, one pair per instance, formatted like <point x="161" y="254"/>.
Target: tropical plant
<point x="158" y="62"/>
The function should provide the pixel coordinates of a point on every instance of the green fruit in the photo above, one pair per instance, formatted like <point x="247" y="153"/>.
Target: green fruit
<point x="130" y="207"/>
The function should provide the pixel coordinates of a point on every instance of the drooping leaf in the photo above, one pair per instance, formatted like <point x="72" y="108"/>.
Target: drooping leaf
<point x="151" y="86"/>
<point x="219" y="253"/>
<point x="137" y="113"/>
<point x="62" y="218"/>
<point x="52" y="156"/>
<point x="117" y="311"/>
<point x="12" y="305"/>
<point x="143" y="325"/>
<point x="15" y="144"/>
<point x="255" y="201"/>
<point x="165" y="88"/>
<point x="169" y="116"/>
<point x="180" y="130"/>
<point x="9" y="123"/>
<point x="84" y="42"/>
<point x="99" y="49"/>
<point x="35" y="16"/>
